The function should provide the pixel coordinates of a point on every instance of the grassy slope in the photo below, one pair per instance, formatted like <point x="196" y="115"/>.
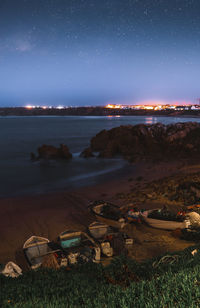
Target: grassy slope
<point x="124" y="283"/>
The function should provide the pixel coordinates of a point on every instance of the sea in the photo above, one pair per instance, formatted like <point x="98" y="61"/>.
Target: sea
<point x="19" y="136"/>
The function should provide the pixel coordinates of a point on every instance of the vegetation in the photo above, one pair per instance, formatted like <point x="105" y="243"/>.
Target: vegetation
<point x="191" y="234"/>
<point x="170" y="281"/>
<point x="183" y="189"/>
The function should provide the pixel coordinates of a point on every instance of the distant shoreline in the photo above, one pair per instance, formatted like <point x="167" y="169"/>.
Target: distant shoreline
<point x="95" y="111"/>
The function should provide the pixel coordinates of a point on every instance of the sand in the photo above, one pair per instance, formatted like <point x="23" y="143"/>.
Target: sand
<point x="50" y="214"/>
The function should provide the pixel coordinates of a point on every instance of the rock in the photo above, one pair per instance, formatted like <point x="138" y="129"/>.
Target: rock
<point x="87" y="153"/>
<point x="64" y="152"/>
<point x="33" y="156"/>
<point x="51" y="152"/>
<point x="144" y="142"/>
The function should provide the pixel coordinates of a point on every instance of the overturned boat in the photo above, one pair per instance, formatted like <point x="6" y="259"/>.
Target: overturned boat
<point x="79" y="247"/>
<point x="35" y="248"/>
<point x="108" y="213"/>
<point x="155" y="219"/>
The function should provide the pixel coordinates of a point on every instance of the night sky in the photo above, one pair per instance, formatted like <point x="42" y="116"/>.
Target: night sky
<point x="91" y="52"/>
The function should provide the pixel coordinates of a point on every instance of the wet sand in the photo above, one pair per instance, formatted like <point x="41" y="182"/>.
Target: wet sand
<point x="48" y="215"/>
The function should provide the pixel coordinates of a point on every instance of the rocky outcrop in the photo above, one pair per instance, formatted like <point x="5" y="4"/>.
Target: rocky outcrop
<point x="157" y="141"/>
<point x="87" y="153"/>
<point x="51" y="152"/>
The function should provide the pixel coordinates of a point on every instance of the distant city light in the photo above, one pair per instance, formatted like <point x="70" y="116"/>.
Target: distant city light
<point x="156" y="106"/>
<point x="29" y="106"/>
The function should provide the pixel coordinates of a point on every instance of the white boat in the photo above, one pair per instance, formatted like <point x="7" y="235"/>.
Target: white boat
<point x="98" y="229"/>
<point x="77" y="244"/>
<point x="163" y="224"/>
<point x="35" y="248"/>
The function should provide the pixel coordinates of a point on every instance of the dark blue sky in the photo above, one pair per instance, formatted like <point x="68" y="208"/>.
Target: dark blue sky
<point x="89" y="52"/>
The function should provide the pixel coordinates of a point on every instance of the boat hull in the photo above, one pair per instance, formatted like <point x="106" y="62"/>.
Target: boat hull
<point x="111" y="222"/>
<point x="163" y="224"/>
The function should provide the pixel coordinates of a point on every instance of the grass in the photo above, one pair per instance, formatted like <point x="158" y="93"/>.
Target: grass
<point x="124" y="283"/>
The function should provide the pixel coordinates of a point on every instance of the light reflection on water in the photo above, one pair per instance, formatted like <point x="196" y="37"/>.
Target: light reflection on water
<point x="151" y="120"/>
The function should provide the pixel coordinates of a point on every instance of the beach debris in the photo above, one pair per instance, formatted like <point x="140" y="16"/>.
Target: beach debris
<point x="11" y="270"/>
<point x="168" y="259"/>
<point x="194" y="252"/>
<point x="106" y="249"/>
<point x="133" y="215"/>
<point x="194" y="219"/>
<point x="50" y="261"/>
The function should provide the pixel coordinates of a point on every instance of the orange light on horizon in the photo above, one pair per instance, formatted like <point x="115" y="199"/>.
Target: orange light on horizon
<point x="29" y="107"/>
<point x="112" y="106"/>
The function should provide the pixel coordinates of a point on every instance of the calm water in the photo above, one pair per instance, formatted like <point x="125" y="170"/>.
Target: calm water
<point x="21" y="135"/>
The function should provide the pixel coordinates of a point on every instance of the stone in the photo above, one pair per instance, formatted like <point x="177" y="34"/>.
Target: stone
<point x="51" y="152"/>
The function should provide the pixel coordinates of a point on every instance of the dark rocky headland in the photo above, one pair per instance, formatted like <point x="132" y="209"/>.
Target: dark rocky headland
<point x="144" y="142"/>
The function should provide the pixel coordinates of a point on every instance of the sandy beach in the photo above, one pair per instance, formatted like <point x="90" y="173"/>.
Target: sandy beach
<point x="48" y="215"/>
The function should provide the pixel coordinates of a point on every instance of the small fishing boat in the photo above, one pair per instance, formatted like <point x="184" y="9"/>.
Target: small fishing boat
<point x="107" y="237"/>
<point x="162" y="223"/>
<point x="78" y="246"/>
<point x="98" y="229"/>
<point x="100" y="232"/>
<point x="108" y="213"/>
<point x="35" y="248"/>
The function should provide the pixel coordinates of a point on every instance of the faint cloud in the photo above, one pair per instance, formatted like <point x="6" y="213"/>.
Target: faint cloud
<point x="23" y="46"/>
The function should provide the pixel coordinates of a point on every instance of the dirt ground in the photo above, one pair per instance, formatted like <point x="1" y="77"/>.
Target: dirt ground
<point x="49" y="215"/>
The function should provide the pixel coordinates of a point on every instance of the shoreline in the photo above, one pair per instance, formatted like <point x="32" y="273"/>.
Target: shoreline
<point x="101" y="115"/>
<point x="50" y="214"/>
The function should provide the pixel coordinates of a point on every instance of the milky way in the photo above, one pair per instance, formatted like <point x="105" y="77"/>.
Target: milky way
<point x="88" y="52"/>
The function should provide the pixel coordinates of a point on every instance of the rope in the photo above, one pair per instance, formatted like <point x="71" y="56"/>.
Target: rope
<point x="166" y="259"/>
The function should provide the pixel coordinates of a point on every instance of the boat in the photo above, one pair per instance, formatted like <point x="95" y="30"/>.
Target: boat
<point x="98" y="229"/>
<point x="79" y="246"/>
<point x="108" y="213"/>
<point x="107" y="237"/>
<point x="163" y="224"/>
<point x="100" y="232"/>
<point x="35" y="248"/>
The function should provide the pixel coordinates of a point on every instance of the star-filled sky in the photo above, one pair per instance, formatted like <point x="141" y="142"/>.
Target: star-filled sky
<point x="91" y="52"/>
